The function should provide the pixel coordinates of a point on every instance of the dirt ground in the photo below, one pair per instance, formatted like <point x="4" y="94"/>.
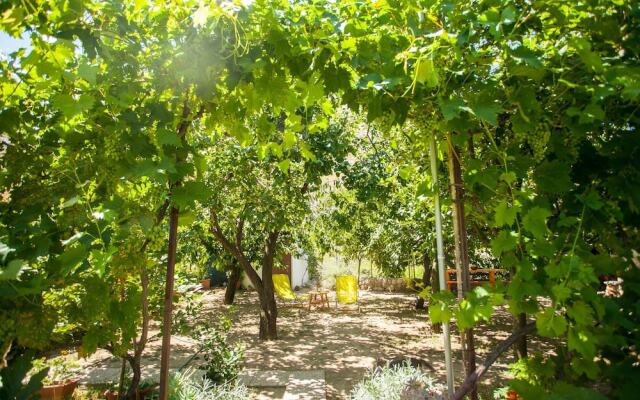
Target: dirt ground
<point x="346" y="343"/>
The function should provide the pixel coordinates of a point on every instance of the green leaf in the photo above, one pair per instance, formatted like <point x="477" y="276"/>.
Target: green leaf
<point x="505" y="215"/>
<point x="100" y="258"/>
<point x="405" y="172"/>
<point x="284" y="165"/>
<point x="582" y="341"/>
<point x="12" y="270"/>
<point x="190" y="192"/>
<point x="306" y="153"/>
<point x="68" y="203"/>
<point x="487" y="111"/>
<point x="168" y="137"/>
<point x="550" y="324"/>
<point x="69" y="106"/>
<point x="289" y="139"/>
<point x="88" y="73"/>
<point x="535" y="221"/>
<point x="553" y="177"/>
<point x="505" y="241"/>
<point x="71" y="258"/>
<point x="426" y="72"/>
<point x="450" y="107"/>
<point x="592" y="200"/>
<point x="581" y="313"/>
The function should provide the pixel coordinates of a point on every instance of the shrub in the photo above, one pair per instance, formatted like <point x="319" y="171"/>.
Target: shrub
<point x="395" y="383"/>
<point x="223" y="359"/>
<point x="184" y="386"/>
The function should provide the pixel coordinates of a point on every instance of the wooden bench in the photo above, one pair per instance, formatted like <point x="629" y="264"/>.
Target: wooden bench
<point x="452" y="283"/>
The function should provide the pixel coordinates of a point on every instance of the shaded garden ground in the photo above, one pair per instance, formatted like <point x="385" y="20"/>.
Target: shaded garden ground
<point x="346" y="343"/>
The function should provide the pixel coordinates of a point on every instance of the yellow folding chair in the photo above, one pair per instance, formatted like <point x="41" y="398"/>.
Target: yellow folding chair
<point x="347" y="290"/>
<point x="283" y="290"/>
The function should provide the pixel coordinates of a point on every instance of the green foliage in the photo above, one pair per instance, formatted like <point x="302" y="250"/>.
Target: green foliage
<point x="397" y="382"/>
<point x="545" y="93"/>
<point x="185" y="386"/>
<point x="223" y="360"/>
<point x="59" y="369"/>
<point x="15" y="381"/>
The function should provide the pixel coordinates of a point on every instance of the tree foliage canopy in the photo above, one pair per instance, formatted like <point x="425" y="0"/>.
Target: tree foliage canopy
<point x="543" y="97"/>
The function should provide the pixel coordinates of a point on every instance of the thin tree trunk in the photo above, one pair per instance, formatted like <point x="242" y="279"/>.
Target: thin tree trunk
<point x="123" y="367"/>
<point x="269" y="310"/>
<point x="462" y="255"/>
<point x="183" y="126"/>
<point x="232" y="283"/>
<point x="359" y="265"/>
<point x="520" y="345"/>
<point x="426" y="279"/>
<point x="168" y="304"/>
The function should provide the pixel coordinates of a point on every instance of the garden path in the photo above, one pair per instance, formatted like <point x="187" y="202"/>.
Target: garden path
<point x="340" y="344"/>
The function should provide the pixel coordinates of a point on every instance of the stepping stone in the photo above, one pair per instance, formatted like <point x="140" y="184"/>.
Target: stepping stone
<point x="258" y="378"/>
<point x="299" y="385"/>
<point x="306" y="385"/>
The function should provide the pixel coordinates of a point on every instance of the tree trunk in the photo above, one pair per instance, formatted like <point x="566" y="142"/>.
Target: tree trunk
<point x="520" y="345"/>
<point x="168" y="304"/>
<point x="232" y="283"/>
<point x="136" y="369"/>
<point x="462" y="255"/>
<point x="426" y="279"/>
<point x="268" y="315"/>
<point x="359" y="265"/>
<point x="268" y="307"/>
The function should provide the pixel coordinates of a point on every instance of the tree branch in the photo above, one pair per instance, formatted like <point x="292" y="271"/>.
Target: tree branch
<point x="236" y="252"/>
<point x="503" y="346"/>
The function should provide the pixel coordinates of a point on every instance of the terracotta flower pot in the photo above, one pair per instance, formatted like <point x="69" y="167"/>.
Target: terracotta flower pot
<point x="206" y="283"/>
<point x="110" y="395"/>
<point x="512" y="395"/>
<point x="58" y="391"/>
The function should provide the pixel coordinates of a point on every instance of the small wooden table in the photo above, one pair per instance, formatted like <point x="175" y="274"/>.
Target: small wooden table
<point x="319" y="298"/>
<point x="452" y="282"/>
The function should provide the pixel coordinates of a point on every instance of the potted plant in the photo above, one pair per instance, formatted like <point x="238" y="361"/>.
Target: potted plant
<point x="512" y="395"/>
<point x="60" y="382"/>
<point x="206" y="283"/>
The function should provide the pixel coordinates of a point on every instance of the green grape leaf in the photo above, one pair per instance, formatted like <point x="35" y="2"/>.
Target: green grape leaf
<point x="12" y="270"/>
<point x="88" y="73"/>
<point x="535" y="221"/>
<point x="505" y="241"/>
<point x="553" y="177"/>
<point x="426" y="72"/>
<point x="284" y="165"/>
<point x="186" y="195"/>
<point x="505" y="215"/>
<point x="168" y="137"/>
<point x="550" y="324"/>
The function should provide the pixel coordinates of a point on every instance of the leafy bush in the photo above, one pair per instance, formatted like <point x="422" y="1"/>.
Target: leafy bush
<point x="60" y="369"/>
<point x="223" y="359"/>
<point x="184" y="386"/>
<point x="15" y="380"/>
<point x="395" y="383"/>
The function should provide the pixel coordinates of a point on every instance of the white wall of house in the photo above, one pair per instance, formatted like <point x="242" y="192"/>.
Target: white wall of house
<point x="299" y="273"/>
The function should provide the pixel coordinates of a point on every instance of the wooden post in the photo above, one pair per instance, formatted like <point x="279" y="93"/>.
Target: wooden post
<point x="461" y="254"/>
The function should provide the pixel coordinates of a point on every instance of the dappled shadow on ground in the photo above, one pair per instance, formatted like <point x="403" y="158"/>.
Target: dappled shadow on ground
<point x="346" y="343"/>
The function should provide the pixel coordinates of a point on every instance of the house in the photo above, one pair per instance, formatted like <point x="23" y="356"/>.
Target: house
<point x="296" y="267"/>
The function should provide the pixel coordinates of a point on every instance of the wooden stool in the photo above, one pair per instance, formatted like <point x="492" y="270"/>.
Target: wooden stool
<point x="319" y="298"/>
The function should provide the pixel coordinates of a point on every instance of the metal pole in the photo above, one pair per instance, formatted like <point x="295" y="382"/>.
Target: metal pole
<point x="441" y="272"/>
